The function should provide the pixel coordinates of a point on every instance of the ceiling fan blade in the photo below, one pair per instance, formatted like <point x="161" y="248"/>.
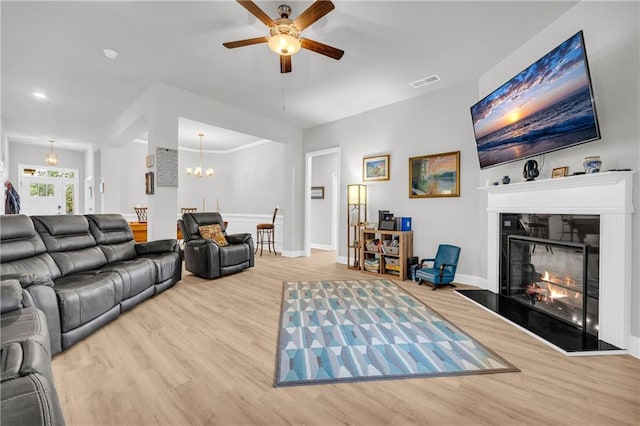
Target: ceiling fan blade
<point x="257" y="12"/>
<point x="314" y="12"/>
<point x="285" y="64"/>
<point x="247" y="42"/>
<point x="322" y="49"/>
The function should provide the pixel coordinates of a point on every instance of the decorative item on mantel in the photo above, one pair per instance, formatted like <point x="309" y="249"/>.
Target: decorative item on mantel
<point x="506" y="180"/>
<point x="592" y="164"/>
<point x="530" y="171"/>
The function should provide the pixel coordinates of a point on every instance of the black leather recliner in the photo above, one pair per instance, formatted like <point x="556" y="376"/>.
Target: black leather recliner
<point x="205" y="258"/>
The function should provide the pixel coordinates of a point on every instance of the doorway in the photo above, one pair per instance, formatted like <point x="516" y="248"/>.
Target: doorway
<point x="48" y="190"/>
<point x="323" y="170"/>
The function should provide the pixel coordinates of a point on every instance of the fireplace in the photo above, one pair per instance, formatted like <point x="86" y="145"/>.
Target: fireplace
<point x="588" y="216"/>
<point x="555" y="277"/>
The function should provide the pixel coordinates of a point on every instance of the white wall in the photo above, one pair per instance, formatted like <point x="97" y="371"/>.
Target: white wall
<point x="420" y="126"/>
<point x="323" y="167"/>
<point x="133" y="158"/>
<point x="255" y="182"/>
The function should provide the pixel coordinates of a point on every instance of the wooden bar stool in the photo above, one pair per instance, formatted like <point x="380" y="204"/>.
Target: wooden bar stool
<point x="141" y="212"/>
<point x="266" y="234"/>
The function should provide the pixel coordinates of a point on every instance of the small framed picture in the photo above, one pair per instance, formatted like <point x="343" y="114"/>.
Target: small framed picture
<point x="317" y="192"/>
<point x="375" y="168"/>
<point x="148" y="183"/>
<point x="559" y="172"/>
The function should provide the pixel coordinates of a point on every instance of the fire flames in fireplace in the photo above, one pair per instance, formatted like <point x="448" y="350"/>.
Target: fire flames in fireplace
<point x="557" y="287"/>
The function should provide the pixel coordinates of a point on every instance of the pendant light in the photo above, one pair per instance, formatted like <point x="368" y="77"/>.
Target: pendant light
<point x="51" y="159"/>
<point x="197" y="172"/>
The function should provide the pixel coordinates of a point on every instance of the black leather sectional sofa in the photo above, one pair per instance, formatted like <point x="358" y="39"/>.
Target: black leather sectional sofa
<point x="76" y="274"/>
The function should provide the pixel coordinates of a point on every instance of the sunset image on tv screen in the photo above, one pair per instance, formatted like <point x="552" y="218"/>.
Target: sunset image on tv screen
<point x="546" y="107"/>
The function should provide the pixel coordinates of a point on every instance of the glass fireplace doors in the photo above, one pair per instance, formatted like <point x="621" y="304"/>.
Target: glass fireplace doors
<point x="552" y="277"/>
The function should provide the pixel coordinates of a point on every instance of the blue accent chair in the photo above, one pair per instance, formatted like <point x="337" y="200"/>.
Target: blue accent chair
<point x="444" y="267"/>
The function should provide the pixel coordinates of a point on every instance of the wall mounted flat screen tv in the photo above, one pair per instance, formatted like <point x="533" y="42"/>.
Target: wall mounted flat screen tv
<point x="548" y="106"/>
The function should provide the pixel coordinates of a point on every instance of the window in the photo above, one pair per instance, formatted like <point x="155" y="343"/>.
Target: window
<point x="42" y="190"/>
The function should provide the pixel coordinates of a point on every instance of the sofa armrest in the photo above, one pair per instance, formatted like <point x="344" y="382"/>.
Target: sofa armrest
<point x="11" y="296"/>
<point x="27" y="279"/>
<point x="238" y="238"/>
<point x="158" y="246"/>
<point x="202" y="258"/>
<point x="44" y="298"/>
<point x="34" y="291"/>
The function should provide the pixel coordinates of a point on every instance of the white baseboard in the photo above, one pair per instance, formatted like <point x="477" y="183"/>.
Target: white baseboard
<point x="292" y="253"/>
<point x="471" y="280"/>
<point x="634" y="346"/>
<point x="327" y="247"/>
<point x="342" y="260"/>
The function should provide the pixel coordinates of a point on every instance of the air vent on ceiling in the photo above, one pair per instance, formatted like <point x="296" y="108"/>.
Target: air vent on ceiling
<point x="425" y="81"/>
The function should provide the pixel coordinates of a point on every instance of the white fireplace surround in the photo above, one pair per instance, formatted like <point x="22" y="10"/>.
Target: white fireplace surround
<point x="606" y="194"/>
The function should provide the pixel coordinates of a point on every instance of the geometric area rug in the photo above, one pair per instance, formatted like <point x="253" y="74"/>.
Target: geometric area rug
<point x="357" y="330"/>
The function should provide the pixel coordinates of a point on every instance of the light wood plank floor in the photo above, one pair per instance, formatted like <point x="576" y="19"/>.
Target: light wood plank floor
<point x="203" y="352"/>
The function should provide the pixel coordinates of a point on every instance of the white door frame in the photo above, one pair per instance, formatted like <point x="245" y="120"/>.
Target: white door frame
<point x="307" y="198"/>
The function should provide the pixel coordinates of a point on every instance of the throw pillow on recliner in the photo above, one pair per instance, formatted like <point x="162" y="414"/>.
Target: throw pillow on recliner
<point x="214" y="233"/>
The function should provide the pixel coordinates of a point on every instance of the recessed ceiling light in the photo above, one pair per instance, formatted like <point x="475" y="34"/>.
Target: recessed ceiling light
<point x="39" y="95"/>
<point x="110" y="53"/>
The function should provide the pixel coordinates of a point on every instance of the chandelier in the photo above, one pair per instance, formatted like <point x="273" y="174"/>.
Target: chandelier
<point x="197" y="172"/>
<point x="51" y="159"/>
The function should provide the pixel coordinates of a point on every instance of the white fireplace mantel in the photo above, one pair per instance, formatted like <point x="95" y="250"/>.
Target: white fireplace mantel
<point x="607" y="194"/>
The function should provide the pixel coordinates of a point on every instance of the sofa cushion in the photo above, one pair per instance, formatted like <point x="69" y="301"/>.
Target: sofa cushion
<point x="113" y="235"/>
<point x="168" y="265"/>
<point x="213" y="233"/>
<point x="137" y="275"/>
<point x="233" y="255"/>
<point x="85" y="296"/>
<point x="23" y="249"/>
<point x="69" y="242"/>
<point x="19" y="238"/>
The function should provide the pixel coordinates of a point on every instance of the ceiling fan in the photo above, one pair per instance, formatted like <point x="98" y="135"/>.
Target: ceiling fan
<point x="285" y="37"/>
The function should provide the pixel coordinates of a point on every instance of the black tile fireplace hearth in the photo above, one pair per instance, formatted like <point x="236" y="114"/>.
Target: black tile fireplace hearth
<point x="555" y="331"/>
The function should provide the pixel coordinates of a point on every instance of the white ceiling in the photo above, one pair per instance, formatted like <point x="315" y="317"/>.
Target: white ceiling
<point x="56" y="47"/>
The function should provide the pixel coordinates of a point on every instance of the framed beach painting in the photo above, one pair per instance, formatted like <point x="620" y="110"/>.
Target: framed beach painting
<point x="435" y="175"/>
<point x="375" y="168"/>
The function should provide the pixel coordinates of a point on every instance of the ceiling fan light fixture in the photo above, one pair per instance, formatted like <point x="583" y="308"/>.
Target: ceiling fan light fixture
<point x="284" y="40"/>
